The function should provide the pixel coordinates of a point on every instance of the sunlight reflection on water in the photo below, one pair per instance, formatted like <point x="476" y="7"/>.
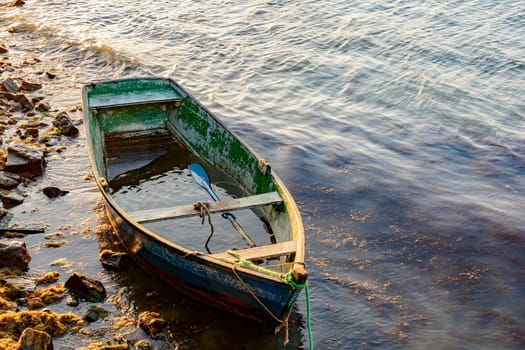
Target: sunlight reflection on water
<point x="399" y="127"/>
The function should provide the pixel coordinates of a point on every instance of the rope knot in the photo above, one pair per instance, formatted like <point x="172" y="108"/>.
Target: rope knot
<point x="204" y="208"/>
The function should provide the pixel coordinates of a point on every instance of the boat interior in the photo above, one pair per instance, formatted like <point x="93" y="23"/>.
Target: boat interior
<point x="147" y="143"/>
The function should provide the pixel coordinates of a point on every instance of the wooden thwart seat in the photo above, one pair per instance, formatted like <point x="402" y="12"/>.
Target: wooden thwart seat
<point x="182" y="211"/>
<point x="111" y="100"/>
<point x="261" y="252"/>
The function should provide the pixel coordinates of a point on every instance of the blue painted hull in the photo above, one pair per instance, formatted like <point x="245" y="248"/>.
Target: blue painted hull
<point x="211" y="283"/>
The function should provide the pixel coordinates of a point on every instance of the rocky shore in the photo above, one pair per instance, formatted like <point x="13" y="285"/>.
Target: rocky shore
<point x="32" y="129"/>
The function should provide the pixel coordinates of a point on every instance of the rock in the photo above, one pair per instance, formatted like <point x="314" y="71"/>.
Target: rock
<point x="85" y="287"/>
<point x="9" y="85"/>
<point x="20" y="98"/>
<point x="33" y="122"/>
<point x="115" y="260"/>
<point x="95" y="313"/>
<point x="24" y="159"/>
<point x="9" y="96"/>
<point x="3" y="49"/>
<point x="9" y="180"/>
<point x="14" y="107"/>
<point x="53" y="192"/>
<point x="50" y="75"/>
<point x="123" y="346"/>
<point x="54" y="244"/>
<point x="29" y="133"/>
<point x="22" y="285"/>
<point x="36" y="99"/>
<point x="50" y="294"/>
<point x="32" y="339"/>
<point x="3" y="213"/>
<point x="35" y="303"/>
<point x="63" y="123"/>
<point x="11" y="234"/>
<point x="11" y="199"/>
<point x="50" y="277"/>
<point x="143" y="344"/>
<point x="14" y="254"/>
<point x="17" y="3"/>
<point x="29" y="86"/>
<point x="54" y="236"/>
<point x="52" y="323"/>
<point x="42" y="106"/>
<point x="60" y="262"/>
<point x="151" y="322"/>
<point x="24" y="101"/>
<point x="10" y="291"/>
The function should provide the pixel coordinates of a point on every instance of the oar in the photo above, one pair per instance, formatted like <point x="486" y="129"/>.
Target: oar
<point x="200" y="176"/>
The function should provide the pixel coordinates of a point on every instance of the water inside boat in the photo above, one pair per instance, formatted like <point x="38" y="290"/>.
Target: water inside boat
<point x="146" y="172"/>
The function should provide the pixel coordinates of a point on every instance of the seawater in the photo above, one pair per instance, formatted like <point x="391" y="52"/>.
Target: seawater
<point x="152" y="173"/>
<point x="398" y="126"/>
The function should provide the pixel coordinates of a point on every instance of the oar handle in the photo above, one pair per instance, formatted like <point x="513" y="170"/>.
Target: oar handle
<point x="201" y="177"/>
<point x="212" y="194"/>
<point x="239" y="229"/>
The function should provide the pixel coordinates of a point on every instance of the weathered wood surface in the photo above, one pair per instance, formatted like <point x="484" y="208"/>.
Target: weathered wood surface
<point x="150" y="215"/>
<point x="261" y="252"/>
<point x="133" y="98"/>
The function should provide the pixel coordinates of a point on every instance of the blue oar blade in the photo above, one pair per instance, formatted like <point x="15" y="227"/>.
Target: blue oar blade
<point x="200" y="176"/>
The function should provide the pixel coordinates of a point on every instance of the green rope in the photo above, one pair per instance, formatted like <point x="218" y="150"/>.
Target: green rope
<point x="308" y="324"/>
<point x="286" y="277"/>
<point x="290" y="280"/>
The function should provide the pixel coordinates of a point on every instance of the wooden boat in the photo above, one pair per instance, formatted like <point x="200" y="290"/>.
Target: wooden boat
<point x="144" y="135"/>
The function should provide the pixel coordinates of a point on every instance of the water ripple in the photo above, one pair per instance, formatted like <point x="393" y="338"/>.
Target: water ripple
<point x="398" y="125"/>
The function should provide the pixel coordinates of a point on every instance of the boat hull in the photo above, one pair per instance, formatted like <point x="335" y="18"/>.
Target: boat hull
<point x="130" y="107"/>
<point x="212" y="283"/>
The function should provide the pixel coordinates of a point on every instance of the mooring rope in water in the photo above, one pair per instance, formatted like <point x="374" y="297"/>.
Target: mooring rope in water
<point x="282" y="323"/>
<point x="308" y="323"/>
<point x="286" y="277"/>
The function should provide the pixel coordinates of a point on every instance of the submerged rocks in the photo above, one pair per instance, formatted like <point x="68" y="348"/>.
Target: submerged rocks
<point x="42" y="106"/>
<point x="47" y="321"/>
<point x="9" y="180"/>
<point x="25" y="123"/>
<point x="95" y="313"/>
<point x="115" y="260"/>
<point x="63" y="123"/>
<point x="24" y="159"/>
<point x="30" y="86"/>
<point x="151" y="323"/>
<point x="11" y="199"/>
<point x="32" y="339"/>
<point x="9" y="85"/>
<point x="21" y="99"/>
<point x="50" y="277"/>
<point x="14" y="254"/>
<point x="17" y="3"/>
<point x="53" y="192"/>
<point x="86" y="288"/>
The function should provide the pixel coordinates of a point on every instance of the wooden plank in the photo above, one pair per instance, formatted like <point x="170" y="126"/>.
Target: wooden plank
<point x="261" y="252"/>
<point x="133" y="98"/>
<point x="182" y="211"/>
